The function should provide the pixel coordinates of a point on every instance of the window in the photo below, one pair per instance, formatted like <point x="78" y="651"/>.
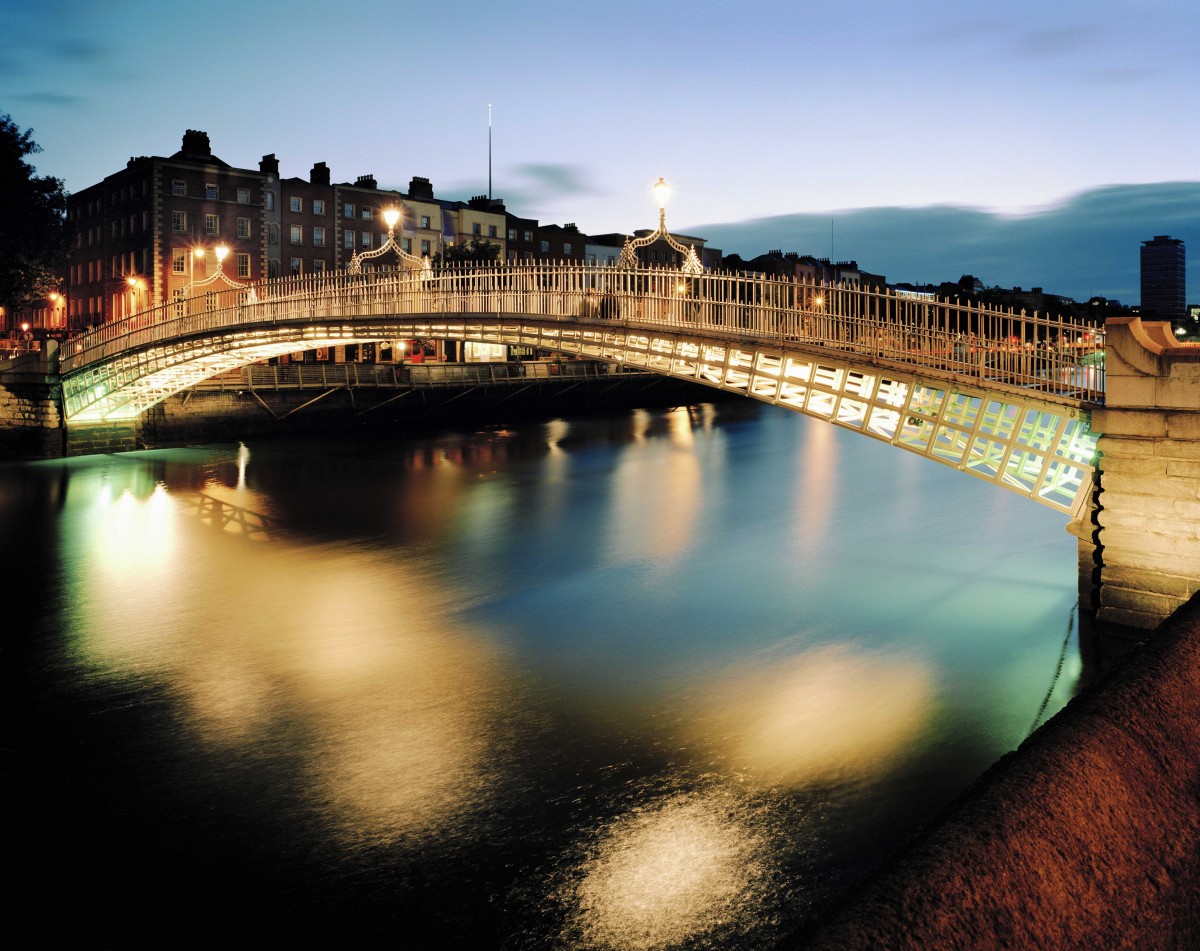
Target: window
<point x="243" y="264"/>
<point x="296" y="234"/>
<point x="476" y="229"/>
<point x="424" y="221"/>
<point x="212" y="224"/>
<point x="318" y="206"/>
<point x="270" y="201"/>
<point x="179" y="221"/>
<point x="243" y="196"/>
<point x="295" y="204"/>
<point x="145" y="221"/>
<point x="243" y="227"/>
<point x="318" y="235"/>
<point x="406" y="245"/>
<point x="273" y="234"/>
<point x="348" y="240"/>
<point x="512" y="234"/>
<point x="297" y="267"/>
<point x="318" y="266"/>
<point x="366" y="239"/>
<point x="179" y="259"/>
<point x="566" y="247"/>
<point x="178" y="187"/>
<point x="210" y="192"/>
<point x="366" y="213"/>
<point x="491" y="231"/>
<point x="527" y="236"/>
<point x="424" y="247"/>
<point x="347" y="210"/>
<point x="545" y="247"/>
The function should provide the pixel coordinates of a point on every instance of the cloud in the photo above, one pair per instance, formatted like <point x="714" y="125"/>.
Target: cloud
<point x="1085" y="246"/>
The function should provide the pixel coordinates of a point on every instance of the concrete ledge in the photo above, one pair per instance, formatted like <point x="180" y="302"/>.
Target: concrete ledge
<point x="1087" y="837"/>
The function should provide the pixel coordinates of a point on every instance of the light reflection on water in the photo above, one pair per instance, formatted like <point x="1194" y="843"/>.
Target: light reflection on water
<point x="654" y="681"/>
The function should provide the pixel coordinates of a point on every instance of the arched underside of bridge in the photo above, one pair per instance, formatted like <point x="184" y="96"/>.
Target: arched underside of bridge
<point x="1014" y="438"/>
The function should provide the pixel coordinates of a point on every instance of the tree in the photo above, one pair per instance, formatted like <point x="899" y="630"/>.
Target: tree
<point x="471" y="252"/>
<point x="33" y="210"/>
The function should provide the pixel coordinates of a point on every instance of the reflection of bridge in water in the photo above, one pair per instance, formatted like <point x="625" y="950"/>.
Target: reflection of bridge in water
<point x="1001" y="396"/>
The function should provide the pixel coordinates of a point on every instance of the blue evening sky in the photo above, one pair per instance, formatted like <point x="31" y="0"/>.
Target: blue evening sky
<point x="984" y="116"/>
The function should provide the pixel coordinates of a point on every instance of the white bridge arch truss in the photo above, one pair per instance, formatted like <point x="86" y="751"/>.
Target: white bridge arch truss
<point x="1036" y="443"/>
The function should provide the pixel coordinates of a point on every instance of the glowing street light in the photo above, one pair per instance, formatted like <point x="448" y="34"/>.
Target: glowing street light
<point x="391" y="216"/>
<point x="691" y="262"/>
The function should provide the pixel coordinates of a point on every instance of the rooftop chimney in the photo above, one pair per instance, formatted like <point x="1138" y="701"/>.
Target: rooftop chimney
<point x="319" y="174"/>
<point x="420" y="188"/>
<point x="366" y="181"/>
<point x="269" y="165"/>
<point x="195" y="144"/>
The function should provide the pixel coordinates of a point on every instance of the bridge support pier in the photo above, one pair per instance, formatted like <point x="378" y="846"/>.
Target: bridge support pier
<point x="86" y="439"/>
<point x="1149" y="476"/>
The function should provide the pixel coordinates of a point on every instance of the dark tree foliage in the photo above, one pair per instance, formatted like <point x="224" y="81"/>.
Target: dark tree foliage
<point x="33" y="209"/>
<point x="470" y="252"/>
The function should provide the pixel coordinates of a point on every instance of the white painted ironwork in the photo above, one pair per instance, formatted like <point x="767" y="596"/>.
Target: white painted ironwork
<point x="1002" y="396"/>
<point x="390" y="217"/>
<point x="691" y="265"/>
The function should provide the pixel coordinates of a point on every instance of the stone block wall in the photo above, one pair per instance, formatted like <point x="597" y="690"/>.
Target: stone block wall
<point x="31" y="424"/>
<point x="1149" y="475"/>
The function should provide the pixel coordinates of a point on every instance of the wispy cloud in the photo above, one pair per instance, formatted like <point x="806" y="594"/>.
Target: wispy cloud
<point x="1085" y="246"/>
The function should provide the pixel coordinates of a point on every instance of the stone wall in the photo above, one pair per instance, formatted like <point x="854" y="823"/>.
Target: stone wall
<point x="30" y="420"/>
<point x="1149" y="475"/>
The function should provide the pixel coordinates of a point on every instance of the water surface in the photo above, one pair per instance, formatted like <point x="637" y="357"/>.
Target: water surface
<point x="666" y="679"/>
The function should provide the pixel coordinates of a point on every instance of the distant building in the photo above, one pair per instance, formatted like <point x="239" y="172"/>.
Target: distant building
<point x="1164" y="290"/>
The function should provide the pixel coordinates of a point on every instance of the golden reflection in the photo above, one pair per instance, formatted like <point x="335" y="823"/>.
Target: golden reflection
<point x="656" y="496"/>
<point x="827" y="714"/>
<point x="817" y="484"/>
<point x="657" y="877"/>
<point x="352" y="665"/>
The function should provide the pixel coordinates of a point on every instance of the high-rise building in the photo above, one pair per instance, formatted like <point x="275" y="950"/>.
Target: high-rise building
<point x="1164" y="287"/>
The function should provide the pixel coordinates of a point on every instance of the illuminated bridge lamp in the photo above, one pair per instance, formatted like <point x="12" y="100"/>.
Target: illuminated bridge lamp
<point x="691" y="262"/>
<point x="391" y="216"/>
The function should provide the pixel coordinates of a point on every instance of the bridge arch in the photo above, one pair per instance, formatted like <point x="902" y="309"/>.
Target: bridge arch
<point x="969" y="387"/>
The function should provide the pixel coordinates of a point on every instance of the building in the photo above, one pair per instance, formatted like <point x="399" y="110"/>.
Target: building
<point x="1164" y="284"/>
<point x="144" y="234"/>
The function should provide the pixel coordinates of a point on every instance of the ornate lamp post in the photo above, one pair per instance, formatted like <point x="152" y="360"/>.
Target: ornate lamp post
<point x="691" y="262"/>
<point x="198" y="254"/>
<point x="390" y="217"/>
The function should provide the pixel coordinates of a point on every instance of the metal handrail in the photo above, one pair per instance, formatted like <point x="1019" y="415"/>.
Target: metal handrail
<point x="964" y="339"/>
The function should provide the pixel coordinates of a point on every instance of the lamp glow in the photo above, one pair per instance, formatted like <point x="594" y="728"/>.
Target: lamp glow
<point x="390" y="217"/>
<point x="662" y="191"/>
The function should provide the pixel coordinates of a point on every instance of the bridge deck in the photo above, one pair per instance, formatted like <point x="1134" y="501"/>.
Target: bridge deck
<point x="1000" y="395"/>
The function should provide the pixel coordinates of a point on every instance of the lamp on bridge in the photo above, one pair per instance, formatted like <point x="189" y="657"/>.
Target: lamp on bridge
<point x="691" y="262"/>
<point x="221" y="252"/>
<point x="410" y="261"/>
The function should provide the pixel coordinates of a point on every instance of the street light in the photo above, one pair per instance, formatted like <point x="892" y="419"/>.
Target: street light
<point x="391" y="216"/>
<point x="221" y="252"/>
<point x="691" y="262"/>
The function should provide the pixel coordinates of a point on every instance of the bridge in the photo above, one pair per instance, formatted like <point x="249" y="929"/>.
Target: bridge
<point x="1001" y="396"/>
<point x="1102" y="427"/>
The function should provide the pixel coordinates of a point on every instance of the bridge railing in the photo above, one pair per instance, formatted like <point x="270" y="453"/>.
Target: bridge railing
<point x="961" y="338"/>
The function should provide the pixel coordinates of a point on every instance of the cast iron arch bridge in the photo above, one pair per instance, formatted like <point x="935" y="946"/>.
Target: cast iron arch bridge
<point x="1002" y="396"/>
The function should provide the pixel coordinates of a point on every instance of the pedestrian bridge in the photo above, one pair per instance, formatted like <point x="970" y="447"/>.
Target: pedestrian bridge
<point x="1004" y="397"/>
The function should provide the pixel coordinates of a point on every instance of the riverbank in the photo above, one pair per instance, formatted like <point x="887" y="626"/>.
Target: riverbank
<point x="1088" y="836"/>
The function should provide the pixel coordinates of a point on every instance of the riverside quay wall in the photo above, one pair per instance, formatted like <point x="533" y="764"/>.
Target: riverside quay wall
<point x="31" y="424"/>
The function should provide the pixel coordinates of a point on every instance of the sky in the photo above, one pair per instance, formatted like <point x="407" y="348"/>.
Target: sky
<point x="924" y="139"/>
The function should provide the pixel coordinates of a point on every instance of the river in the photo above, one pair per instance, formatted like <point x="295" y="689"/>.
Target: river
<point x="662" y="679"/>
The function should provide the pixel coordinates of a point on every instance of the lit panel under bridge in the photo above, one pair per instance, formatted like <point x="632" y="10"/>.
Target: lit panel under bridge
<point x="1001" y="396"/>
